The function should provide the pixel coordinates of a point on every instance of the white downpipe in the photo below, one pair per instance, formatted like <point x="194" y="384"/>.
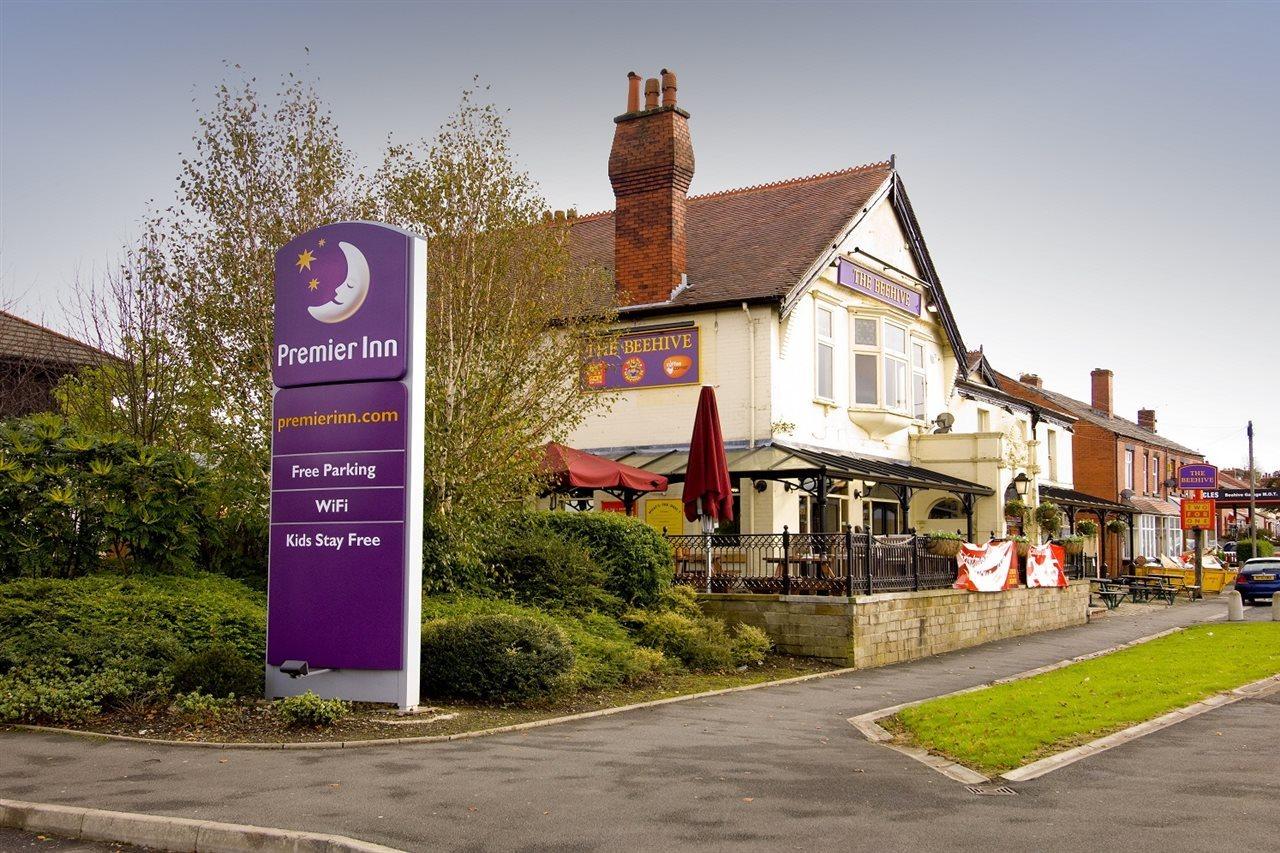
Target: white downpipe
<point x="751" y="412"/>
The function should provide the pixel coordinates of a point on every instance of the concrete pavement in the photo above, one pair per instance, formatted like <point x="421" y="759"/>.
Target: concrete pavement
<point x="778" y="768"/>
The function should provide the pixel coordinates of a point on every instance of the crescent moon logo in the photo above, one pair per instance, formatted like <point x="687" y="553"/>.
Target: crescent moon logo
<point x="351" y="293"/>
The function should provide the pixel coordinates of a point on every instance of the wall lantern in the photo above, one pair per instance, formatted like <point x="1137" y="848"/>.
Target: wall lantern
<point x="1021" y="484"/>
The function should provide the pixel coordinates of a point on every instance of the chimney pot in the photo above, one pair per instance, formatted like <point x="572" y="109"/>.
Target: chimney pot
<point x="668" y="88"/>
<point x="1147" y="419"/>
<point x="633" y="92"/>
<point x="1031" y="379"/>
<point x="651" y="93"/>
<point x="1101" y="381"/>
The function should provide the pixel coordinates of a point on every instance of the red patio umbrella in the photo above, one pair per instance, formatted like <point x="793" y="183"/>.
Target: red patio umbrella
<point x="708" y="493"/>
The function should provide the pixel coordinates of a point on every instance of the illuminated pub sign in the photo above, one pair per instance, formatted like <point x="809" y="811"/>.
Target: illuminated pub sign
<point x="657" y="358"/>
<point x="876" y="286"/>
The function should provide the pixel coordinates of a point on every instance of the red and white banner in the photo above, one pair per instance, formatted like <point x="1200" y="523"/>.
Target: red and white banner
<point x="986" y="568"/>
<point x="1045" y="566"/>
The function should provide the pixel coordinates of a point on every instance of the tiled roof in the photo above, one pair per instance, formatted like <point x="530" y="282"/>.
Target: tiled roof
<point x="1115" y="423"/>
<point x="1020" y="390"/>
<point x="753" y="243"/>
<point x="22" y="339"/>
<point x="1153" y="506"/>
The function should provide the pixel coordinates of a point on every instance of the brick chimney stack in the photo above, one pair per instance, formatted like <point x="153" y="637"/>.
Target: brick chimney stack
<point x="1101" y="390"/>
<point x="1031" y="379"/>
<point x="1147" y="419"/>
<point x="650" y="167"/>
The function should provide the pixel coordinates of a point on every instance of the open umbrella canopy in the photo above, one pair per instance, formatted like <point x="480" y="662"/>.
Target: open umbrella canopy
<point x="707" y="489"/>
<point x="577" y="469"/>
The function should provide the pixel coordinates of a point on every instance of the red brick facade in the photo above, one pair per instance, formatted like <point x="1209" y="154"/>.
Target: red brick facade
<point x="650" y="168"/>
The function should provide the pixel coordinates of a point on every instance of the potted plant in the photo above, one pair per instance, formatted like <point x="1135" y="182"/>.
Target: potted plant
<point x="1116" y="525"/>
<point x="1072" y="545"/>
<point x="943" y="544"/>
<point x="1049" y="517"/>
<point x="1023" y="544"/>
<point x="1087" y="527"/>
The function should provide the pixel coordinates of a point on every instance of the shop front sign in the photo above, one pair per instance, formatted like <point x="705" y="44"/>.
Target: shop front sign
<point x="1197" y="475"/>
<point x="658" y="358"/>
<point x="863" y="280"/>
<point x="345" y="568"/>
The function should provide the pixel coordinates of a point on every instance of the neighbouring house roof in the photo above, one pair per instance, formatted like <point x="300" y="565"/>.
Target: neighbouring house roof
<point x="27" y="341"/>
<point x="1153" y="506"/>
<point x="1120" y="426"/>
<point x="1080" y="500"/>
<point x="1013" y="387"/>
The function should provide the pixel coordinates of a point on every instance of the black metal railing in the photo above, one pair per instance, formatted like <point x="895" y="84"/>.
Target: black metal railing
<point x="846" y="563"/>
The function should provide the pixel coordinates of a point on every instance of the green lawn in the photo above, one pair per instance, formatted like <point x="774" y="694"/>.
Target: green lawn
<point x="1008" y="725"/>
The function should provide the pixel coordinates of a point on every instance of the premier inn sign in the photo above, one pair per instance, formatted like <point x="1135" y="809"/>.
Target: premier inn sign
<point x="863" y="280"/>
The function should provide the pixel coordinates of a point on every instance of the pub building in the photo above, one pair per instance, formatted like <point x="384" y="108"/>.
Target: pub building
<point x="812" y="305"/>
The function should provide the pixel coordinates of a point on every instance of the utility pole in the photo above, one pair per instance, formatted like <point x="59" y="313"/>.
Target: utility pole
<point x="1253" y="489"/>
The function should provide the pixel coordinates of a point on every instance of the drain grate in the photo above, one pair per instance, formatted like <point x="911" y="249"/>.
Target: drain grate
<point x="1002" y="791"/>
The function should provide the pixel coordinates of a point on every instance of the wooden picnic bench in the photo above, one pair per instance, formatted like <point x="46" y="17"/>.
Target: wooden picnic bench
<point x="1110" y="593"/>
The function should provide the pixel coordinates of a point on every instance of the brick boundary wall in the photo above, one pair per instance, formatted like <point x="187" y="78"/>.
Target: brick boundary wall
<point x="875" y="630"/>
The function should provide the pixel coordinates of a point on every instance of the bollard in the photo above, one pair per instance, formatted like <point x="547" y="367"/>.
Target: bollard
<point x="1235" y="607"/>
<point x="1275" y="607"/>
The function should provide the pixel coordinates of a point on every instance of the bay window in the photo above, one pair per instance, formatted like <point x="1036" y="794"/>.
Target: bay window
<point x="882" y="374"/>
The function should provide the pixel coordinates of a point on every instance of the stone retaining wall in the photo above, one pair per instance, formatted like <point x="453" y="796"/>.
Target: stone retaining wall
<point x="874" y="630"/>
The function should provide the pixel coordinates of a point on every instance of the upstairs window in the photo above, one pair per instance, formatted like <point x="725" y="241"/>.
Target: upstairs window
<point x="919" y="388"/>
<point x="1128" y="469"/>
<point x="1051" y="446"/>
<point x="825" y="355"/>
<point x="881" y="368"/>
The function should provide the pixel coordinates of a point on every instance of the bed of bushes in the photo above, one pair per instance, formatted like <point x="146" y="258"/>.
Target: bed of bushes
<point x="570" y="603"/>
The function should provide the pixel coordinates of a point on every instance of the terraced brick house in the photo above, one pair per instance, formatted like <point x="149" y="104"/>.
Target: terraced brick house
<point x="33" y="359"/>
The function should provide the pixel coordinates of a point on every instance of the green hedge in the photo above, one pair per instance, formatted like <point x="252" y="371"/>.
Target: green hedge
<point x="541" y="568"/>
<point x="68" y="647"/>
<point x="494" y="658"/>
<point x="1247" y="549"/>
<point x="637" y="560"/>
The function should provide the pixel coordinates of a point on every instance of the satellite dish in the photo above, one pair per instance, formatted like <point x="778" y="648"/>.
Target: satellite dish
<point x="944" y="422"/>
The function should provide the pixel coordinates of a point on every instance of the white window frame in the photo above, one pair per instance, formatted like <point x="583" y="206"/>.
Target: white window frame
<point x="1154" y="472"/>
<point x="883" y="357"/>
<point x="920" y="400"/>
<point x="821" y="342"/>
<point x="1051" y="453"/>
<point x="1129" y="462"/>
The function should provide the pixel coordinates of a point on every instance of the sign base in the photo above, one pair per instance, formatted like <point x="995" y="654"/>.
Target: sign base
<point x="354" y="685"/>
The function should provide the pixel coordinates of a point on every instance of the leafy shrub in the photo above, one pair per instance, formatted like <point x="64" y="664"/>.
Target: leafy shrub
<point x="494" y="658"/>
<point x="234" y="543"/>
<point x="310" y="711"/>
<point x="749" y="643"/>
<point x="51" y="693"/>
<point x="637" y="560"/>
<point x="543" y="569"/>
<point x="680" y="598"/>
<point x="69" y="497"/>
<point x="700" y="643"/>
<point x="71" y="647"/>
<point x="217" y="670"/>
<point x="197" y="707"/>
<point x="1247" y="549"/>
<point x="605" y="655"/>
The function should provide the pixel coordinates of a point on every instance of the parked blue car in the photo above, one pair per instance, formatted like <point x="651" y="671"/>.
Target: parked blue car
<point x="1259" y="579"/>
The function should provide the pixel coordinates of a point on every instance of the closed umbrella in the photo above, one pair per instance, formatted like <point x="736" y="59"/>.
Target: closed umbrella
<point x="708" y="493"/>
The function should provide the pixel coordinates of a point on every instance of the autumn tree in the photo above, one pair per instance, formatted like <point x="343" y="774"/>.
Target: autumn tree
<point x="509" y="317"/>
<point x="262" y="171"/>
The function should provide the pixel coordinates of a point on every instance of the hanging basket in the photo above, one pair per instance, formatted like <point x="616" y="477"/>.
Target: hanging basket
<point x="1023" y="546"/>
<point x="1072" y="547"/>
<point x="944" y="547"/>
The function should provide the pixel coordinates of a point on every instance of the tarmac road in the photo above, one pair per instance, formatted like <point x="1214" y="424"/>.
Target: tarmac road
<point x="778" y="768"/>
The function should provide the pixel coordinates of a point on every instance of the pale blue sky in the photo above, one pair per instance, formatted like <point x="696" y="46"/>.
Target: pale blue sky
<point x="1096" y="181"/>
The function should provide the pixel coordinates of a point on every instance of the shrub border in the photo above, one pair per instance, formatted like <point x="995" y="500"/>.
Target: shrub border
<point x="373" y="742"/>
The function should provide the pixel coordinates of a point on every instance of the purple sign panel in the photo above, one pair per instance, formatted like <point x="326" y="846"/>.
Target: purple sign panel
<point x="653" y="359"/>
<point x="342" y="305"/>
<point x="337" y="582"/>
<point x="1197" y="476"/>
<point x="876" y="286"/>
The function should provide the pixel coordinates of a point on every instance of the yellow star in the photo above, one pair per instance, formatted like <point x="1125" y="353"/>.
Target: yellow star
<point x="321" y="242"/>
<point x="313" y="284"/>
<point x="304" y="260"/>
